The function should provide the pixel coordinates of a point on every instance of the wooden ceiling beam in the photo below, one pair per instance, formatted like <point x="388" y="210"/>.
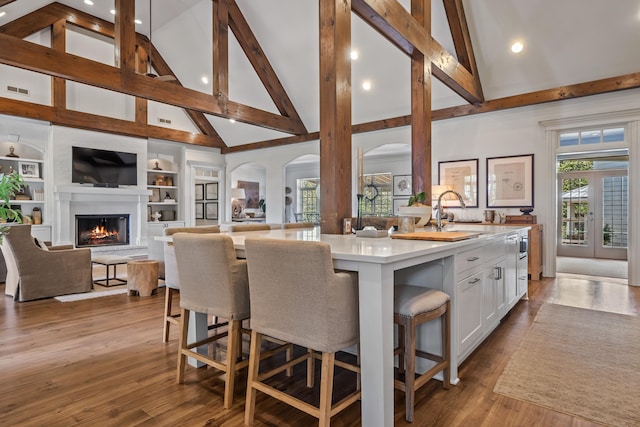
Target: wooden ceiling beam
<point x="421" y="106"/>
<point x="45" y="16"/>
<point x="335" y="115"/>
<point x="30" y="56"/>
<point x="596" y="87"/>
<point x="258" y="59"/>
<point x="460" y="34"/>
<point x="393" y="21"/>
<point x="125" y="35"/>
<point x="220" y="48"/>
<point x="197" y="117"/>
<point x="58" y="85"/>
<point x="76" y="119"/>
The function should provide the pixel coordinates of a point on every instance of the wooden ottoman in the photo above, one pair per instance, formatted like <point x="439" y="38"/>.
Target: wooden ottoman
<point x="142" y="277"/>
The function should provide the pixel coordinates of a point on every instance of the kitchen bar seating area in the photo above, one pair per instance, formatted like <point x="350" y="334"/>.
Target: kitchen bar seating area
<point x="448" y="267"/>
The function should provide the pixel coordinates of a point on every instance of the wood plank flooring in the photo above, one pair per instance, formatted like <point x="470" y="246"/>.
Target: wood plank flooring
<point x="102" y="362"/>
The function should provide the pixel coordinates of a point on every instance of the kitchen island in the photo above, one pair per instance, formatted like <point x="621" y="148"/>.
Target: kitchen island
<point x="477" y="273"/>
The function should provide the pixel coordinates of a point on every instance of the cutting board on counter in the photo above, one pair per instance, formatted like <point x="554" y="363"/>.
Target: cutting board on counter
<point x="443" y="236"/>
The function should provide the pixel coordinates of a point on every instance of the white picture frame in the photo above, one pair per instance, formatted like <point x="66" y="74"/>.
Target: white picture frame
<point x="29" y="169"/>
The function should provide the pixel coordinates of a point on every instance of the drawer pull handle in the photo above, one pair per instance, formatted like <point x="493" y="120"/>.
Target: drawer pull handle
<point x="476" y="280"/>
<point x="498" y="273"/>
<point x="473" y="258"/>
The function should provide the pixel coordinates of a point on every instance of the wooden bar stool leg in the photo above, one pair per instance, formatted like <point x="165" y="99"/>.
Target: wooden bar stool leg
<point x="446" y="346"/>
<point x="168" y="300"/>
<point x="252" y="376"/>
<point x="410" y="361"/>
<point x="326" y="388"/>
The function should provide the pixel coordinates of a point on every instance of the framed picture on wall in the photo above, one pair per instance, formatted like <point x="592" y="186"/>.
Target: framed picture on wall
<point x="399" y="202"/>
<point x="251" y="192"/>
<point x="199" y="191"/>
<point x="212" y="191"/>
<point x="510" y="181"/>
<point x="402" y="185"/>
<point x="199" y="210"/>
<point x="211" y="210"/>
<point x="462" y="177"/>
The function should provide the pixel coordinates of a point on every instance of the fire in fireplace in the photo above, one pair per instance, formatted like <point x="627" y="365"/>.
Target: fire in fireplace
<point x="102" y="230"/>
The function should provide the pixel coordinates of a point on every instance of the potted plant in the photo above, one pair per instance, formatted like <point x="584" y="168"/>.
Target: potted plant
<point x="416" y="207"/>
<point x="10" y="184"/>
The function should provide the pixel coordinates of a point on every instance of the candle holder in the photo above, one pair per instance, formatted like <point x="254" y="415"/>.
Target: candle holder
<point x="359" y="219"/>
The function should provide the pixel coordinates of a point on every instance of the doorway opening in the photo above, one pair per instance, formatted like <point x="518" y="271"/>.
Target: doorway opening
<point x="592" y="202"/>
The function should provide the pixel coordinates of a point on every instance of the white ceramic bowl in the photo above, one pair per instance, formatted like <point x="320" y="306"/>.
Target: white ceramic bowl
<point x="423" y="212"/>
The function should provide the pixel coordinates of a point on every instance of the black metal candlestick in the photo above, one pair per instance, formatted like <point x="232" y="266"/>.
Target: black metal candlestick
<point x="359" y="221"/>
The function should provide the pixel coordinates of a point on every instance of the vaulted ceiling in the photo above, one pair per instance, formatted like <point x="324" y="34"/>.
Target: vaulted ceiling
<point x="566" y="43"/>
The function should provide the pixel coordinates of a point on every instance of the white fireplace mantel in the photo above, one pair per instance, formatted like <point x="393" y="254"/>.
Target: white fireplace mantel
<point x="72" y="200"/>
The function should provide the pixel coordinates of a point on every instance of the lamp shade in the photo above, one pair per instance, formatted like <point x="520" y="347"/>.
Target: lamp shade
<point x="237" y="193"/>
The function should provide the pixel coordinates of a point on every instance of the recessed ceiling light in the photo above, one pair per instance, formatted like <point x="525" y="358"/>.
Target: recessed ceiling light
<point x="137" y="21"/>
<point x="354" y="54"/>
<point x="113" y="11"/>
<point x="366" y="85"/>
<point x="2" y="13"/>
<point x="232" y="120"/>
<point x="517" y="47"/>
<point x="205" y="80"/>
<point x="89" y="2"/>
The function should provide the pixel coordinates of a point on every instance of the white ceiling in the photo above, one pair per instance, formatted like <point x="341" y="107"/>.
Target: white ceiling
<point x="566" y="42"/>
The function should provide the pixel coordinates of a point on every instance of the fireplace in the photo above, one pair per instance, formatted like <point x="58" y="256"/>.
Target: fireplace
<point x="102" y="230"/>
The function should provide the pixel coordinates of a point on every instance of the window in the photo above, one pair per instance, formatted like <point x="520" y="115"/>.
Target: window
<point x="592" y="136"/>
<point x="378" y="195"/>
<point x="308" y="200"/>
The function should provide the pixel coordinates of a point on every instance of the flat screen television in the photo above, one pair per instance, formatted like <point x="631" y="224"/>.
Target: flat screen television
<point x="105" y="168"/>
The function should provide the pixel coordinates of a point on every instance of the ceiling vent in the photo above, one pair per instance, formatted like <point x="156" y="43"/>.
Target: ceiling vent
<point x="164" y="121"/>
<point x="18" y="90"/>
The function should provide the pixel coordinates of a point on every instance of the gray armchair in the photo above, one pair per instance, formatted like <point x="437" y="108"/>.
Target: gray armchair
<point x="34" y="272"/>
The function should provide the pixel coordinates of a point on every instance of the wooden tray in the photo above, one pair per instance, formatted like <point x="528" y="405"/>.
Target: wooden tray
<point x="443" y="236"/>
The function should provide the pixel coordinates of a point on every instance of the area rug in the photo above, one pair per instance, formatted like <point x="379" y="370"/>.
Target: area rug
<point x="90" y="295"/>
<point x="580" y="362"/>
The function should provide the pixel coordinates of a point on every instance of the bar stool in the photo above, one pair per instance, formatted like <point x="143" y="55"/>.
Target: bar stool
<point x="303" y="301"/>
<point x="171" y="282"/>
<point x="413" y="306"/>
<point x="218" y="286"/>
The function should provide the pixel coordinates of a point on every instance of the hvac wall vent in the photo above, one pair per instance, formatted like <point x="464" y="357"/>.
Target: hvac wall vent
<point x="18" y="90"/>
<point x="164" y="121"/>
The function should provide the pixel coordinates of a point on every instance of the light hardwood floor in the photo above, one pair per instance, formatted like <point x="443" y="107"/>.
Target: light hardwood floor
<point x="102" y="362"/>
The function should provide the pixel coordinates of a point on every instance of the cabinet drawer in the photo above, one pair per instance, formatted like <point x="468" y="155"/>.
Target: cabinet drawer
<point x="470" y="259"/>
<point x="467" y="262"/>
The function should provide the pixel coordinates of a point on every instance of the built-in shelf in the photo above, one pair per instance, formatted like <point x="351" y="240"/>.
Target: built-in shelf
<point x="162" y="183"/>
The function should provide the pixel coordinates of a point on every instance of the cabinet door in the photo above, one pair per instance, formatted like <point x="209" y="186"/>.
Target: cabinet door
<point x="522" y="286"/>
<point x="499" y="270"/>
<point x="470" y="312"/>
<point x="511" y="273"/>
<point x="489" y="297"/>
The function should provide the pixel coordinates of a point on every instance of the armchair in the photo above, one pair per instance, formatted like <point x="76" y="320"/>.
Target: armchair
<point x="34" y="272"/>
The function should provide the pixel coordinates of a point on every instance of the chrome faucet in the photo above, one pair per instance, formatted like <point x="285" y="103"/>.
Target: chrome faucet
<point x="439" y="211"/>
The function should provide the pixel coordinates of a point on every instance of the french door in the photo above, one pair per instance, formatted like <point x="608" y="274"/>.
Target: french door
<point x="593" y="212"/>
